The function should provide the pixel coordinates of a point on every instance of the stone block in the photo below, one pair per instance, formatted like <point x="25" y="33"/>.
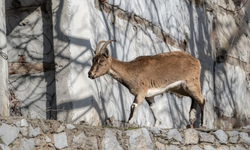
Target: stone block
<point x="244" y="138"/>
<point x="209" y="147"/>
<point x="221" y="136"/>
<point x="110" y="141"/>
<point x="172" y="147"/>
<point x="34" y="132"/>
<point x="160" y="146"/>
<point x="191" y="136"/>
<point x="27" y="144"/>
<point x="206" y="137"/>
<point x="8" y="133"/>
<point x="233" y="136"/>
<point x="174" y="134"/>
<point x="60" y="140"/>
<point x="139" y="139"/>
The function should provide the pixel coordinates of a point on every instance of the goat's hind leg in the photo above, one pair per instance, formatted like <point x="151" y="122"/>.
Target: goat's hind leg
<point x="192" y="89"/>
<point x="192" y="113"/>
<point x="197" y="98"/>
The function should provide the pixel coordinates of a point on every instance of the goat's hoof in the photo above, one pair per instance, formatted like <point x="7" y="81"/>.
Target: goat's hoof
<point x="202" y="127"/>
<point x="131" y="122"/>
<point x="190" y="126"/>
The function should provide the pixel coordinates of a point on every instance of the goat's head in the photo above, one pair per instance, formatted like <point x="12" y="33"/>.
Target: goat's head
<point x="101" y="61"/>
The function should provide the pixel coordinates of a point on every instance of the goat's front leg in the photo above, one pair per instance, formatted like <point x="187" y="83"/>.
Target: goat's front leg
<point x="137" y="101"/>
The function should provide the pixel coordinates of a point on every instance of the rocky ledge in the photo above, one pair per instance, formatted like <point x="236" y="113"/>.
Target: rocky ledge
<point x="29" y="134"/>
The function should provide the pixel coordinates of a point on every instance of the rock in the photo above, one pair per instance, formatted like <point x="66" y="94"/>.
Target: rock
<point x="139" y="139"/>
<point x="37" y="142"/>
<point x="47" y="139"/>
<point x="3" y="147"/>
<point x="154" y="130"/>
<point x="184" y="147"/>
<point x="70" y="126"/>
<point x="196" y="147"/>
<point x="209" y="147"/>
<point x="172" y="147"/>
<point x="91" y="143"/>
<point x="110" y="141"/>
<point x="206" y="137"/>
<point x="191" y="136"/>
<point x="78" y="140"/>
<point x="60" y="129"/>
<point x="174" y="134"/>
<point x="237" y="147"/>
<point x="223" y="147"/>
<point x="244" y="139"/>
<point x="221" y="136"/>
<point x="8" y="133"/>
<point x="18" y="123"/>
<point x="246" y="127"/>
<point x="24" y="131"/>
<point x="27" y="144"/>
<point x="24" y="123"/>
<point x="83" y="142"/>
<point x="160" y="146"/>
<point x="164" y="133"/>
<point x="55" y="125"/>
<point x="44" y="127"/>
<point x="34" y="132"/>
<point x="233" y="136"/>
<point x="60" y="140"/>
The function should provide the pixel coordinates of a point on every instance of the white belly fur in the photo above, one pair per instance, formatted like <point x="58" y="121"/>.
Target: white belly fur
<point x="156" y="91"/>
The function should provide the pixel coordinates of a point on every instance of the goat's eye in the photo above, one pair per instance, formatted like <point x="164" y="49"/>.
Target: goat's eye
<point x="100" y="62"/>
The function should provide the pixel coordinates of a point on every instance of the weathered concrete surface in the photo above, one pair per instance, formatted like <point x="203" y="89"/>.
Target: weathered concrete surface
<point x="61" y="39"/>
<point x="215" y="32"/>
<point x="29" y="36"/>
<point x="107" y="138"/>
<point x="4" y="95"/>
<point x="190" y="22"/>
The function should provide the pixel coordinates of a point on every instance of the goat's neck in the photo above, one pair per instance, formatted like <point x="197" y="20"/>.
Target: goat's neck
<point x="118" y="70"/>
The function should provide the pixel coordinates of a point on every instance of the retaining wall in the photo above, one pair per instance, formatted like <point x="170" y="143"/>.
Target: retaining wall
<point x="28" y="134"/>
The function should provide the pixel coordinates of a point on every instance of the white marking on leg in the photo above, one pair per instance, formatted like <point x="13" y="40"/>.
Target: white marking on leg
<point x="135" y="105"/>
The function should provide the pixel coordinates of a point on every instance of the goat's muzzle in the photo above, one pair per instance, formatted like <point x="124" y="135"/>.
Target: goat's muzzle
<point x="90" y="75"/>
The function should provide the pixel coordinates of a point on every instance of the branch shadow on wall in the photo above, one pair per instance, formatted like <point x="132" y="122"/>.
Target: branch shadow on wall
<point x="220" y="75"/>
<point x="227" y="96"/>
<point x="29" y="41"/>
<point x="110" y="18"/>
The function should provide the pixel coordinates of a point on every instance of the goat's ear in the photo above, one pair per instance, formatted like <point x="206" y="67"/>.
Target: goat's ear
<point x="93" y="50"/>
<point x="106" y="53"/>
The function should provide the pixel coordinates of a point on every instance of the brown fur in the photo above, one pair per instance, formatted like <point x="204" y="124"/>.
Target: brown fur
<point x="147" y="72"/>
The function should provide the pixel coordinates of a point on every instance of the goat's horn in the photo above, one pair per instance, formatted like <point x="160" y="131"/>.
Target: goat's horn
<point x="98" y="45"/>
<point x="104" y="46"/>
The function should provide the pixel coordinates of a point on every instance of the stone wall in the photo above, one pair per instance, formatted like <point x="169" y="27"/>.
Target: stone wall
<point x="27" y="134"/>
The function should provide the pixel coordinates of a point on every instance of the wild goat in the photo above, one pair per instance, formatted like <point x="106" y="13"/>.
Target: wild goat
<point x="147" y="76"/>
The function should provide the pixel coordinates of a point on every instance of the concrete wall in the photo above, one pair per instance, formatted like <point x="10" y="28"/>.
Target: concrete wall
<point x="30" y="44"/>
<point x="224" y="84"/>
<point x="4" y="97"/>
<point x="215" y="32"/>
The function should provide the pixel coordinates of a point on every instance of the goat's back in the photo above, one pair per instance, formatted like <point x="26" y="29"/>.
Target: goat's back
<point x="166" y="67"/>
